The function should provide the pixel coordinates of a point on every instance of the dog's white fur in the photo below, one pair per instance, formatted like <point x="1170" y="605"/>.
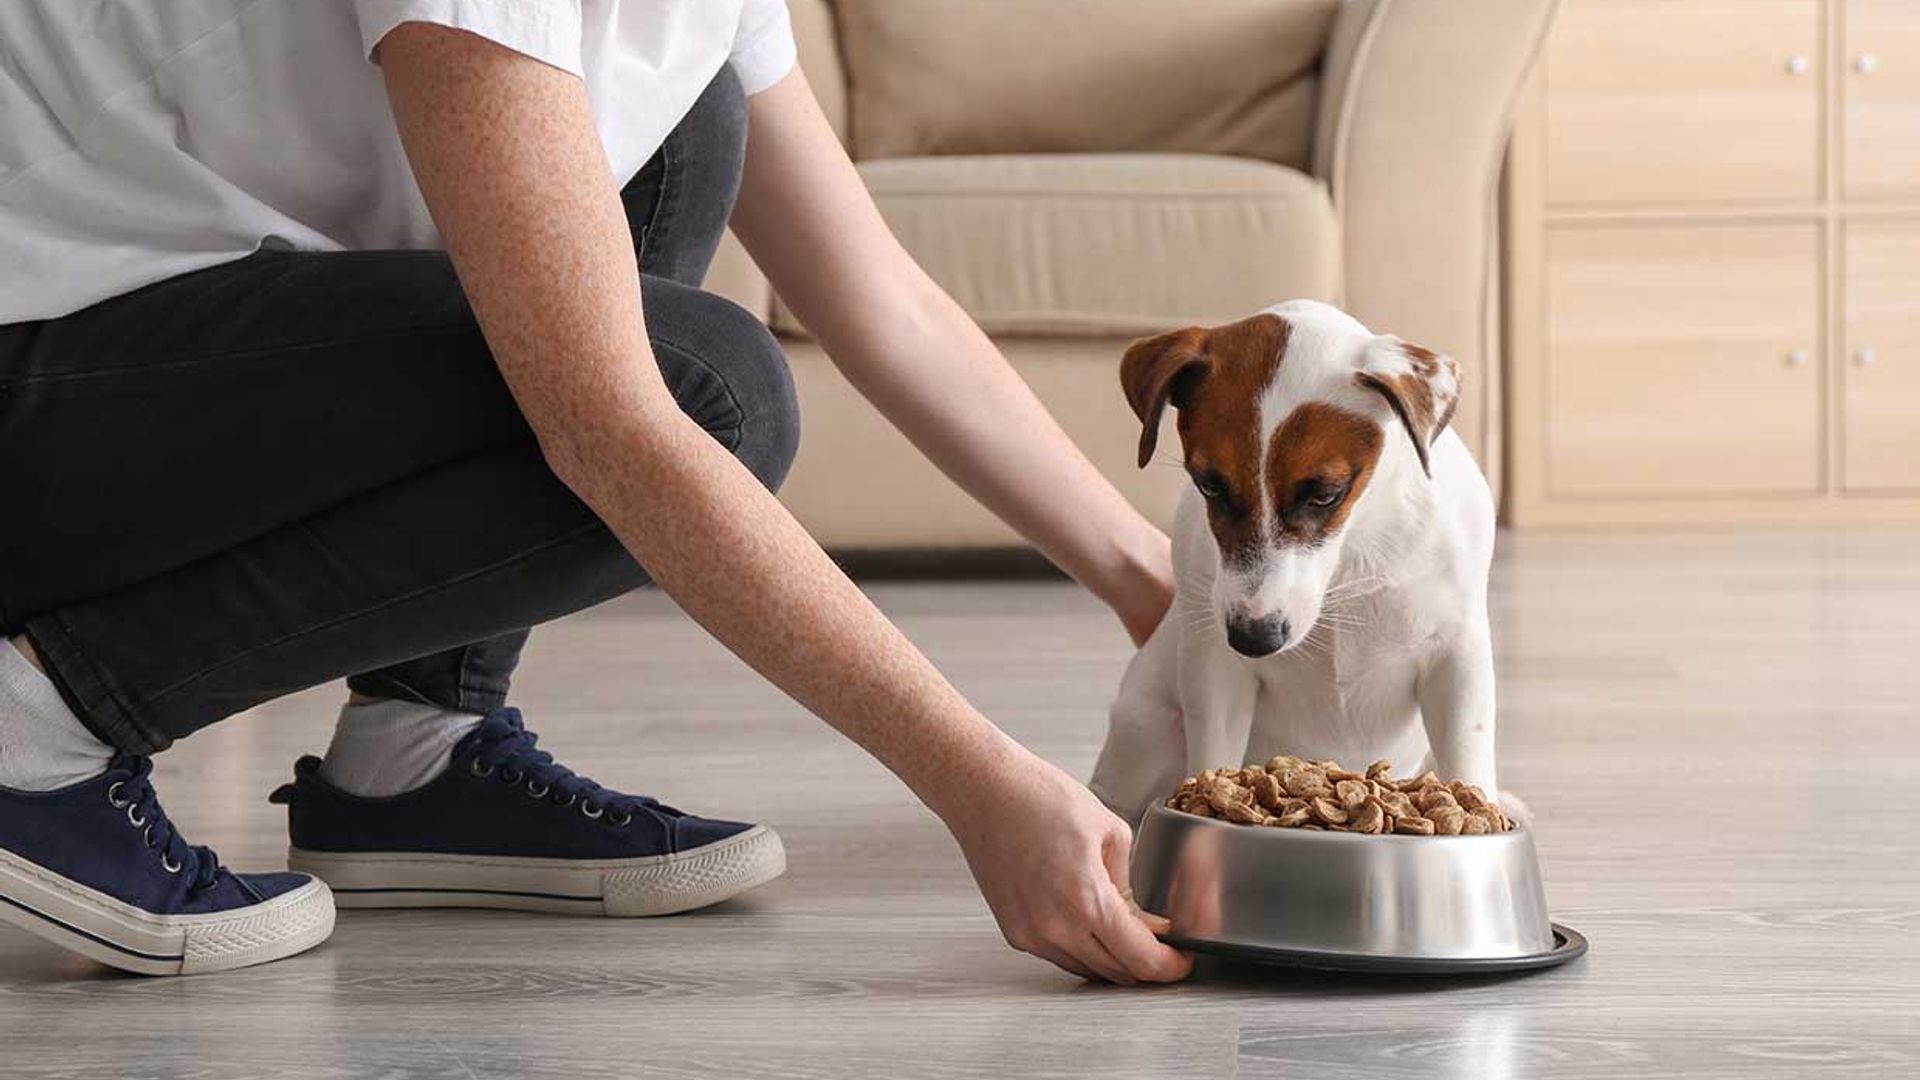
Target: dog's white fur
<point x="1391" y="655"/>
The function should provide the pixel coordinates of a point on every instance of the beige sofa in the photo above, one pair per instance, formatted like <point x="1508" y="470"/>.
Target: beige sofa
<point x="1078" y="173"/>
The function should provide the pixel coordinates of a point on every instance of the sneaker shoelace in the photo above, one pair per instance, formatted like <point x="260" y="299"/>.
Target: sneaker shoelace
<point x="504" y="746"/>
<point x="133" y="793"/>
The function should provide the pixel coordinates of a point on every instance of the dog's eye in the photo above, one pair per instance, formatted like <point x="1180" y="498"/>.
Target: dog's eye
<point x="1210" y="485"/>
<point x="1319" y="494"/>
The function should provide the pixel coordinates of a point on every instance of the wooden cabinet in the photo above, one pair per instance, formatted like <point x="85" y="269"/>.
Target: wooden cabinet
<point x="1881" y="376"/>
<point x="1880" y="85"/>
<point x="1673" y="101"/>
<point x="1683" y="360"/>
<point x="1712" y="277"/>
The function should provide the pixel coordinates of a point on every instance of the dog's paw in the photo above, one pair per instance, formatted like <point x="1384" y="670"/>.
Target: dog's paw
<point x="1516" y="810"/>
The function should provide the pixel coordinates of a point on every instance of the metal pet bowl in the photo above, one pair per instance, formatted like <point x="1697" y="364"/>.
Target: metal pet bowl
<point x="1348" y="902"/>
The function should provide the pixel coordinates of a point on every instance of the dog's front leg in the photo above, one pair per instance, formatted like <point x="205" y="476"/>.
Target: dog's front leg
<point x="1456" y="695"/>
<point x="1218" y="691"/>
<point x="1145" y="746"/>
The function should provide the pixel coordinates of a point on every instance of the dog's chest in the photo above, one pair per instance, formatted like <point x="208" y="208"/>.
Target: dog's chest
<point x="1348" y="692"/>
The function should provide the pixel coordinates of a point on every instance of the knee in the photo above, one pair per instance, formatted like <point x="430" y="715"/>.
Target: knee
<point x="769" y="406"/>
<point x="735" y="382"/>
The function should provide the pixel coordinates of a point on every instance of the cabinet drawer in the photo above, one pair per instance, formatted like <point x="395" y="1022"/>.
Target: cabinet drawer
<point x="1881" y="402"/>
<point x="1881" y="88"/>
<point x="1683" y="101"/>
<point x="1683" y="360"/>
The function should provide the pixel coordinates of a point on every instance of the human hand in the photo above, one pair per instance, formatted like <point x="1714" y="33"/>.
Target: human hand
<point x="1052" y="865"/>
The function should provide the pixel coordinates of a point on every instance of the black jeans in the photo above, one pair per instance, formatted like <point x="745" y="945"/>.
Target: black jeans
<point x="248" y="480"/>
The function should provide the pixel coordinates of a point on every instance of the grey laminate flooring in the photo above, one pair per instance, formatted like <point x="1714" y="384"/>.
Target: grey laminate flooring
<point x="1720" y="734"/>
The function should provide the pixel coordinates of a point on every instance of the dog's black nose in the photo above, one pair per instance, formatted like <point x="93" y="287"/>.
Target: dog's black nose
<point x="1257" y="637"/>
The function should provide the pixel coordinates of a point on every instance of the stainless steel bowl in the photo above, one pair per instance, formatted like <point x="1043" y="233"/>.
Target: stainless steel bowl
<point x="1343" y="900"/>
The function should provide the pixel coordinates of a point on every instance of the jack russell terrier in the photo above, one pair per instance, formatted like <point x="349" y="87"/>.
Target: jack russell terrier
<point x="1331" y="571"/>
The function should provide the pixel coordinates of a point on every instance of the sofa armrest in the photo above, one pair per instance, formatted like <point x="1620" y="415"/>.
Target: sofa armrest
<point x="1417" y="100"/>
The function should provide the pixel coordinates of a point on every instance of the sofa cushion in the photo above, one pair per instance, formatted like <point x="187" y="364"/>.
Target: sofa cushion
<point x="1108" y="244"/>
<point x="1084" y="76"/>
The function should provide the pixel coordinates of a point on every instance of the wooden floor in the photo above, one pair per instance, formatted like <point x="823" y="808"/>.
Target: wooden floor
<point x="1719" y="733"/>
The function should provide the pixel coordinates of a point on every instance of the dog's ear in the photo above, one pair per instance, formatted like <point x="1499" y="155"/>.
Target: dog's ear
<point x="1420" y="385"/>
<point x="1159" y="370"/>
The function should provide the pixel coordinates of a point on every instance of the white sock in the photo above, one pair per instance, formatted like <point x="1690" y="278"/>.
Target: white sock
<point x="43" y="746"/>
<point x="386" y="747"/>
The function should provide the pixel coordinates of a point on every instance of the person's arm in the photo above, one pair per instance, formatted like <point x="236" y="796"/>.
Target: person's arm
<point x="506" y="154"/>
<point x="910" y="349"/>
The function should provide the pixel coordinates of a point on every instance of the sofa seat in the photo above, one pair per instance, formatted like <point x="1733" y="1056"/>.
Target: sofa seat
<point x="1106" y="245"/>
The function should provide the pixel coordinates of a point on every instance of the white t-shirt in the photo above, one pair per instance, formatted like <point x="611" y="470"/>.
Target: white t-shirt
<point x="142" y="139"/>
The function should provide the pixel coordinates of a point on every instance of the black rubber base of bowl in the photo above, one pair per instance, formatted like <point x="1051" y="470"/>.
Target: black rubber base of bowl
<point x="1568" y="944"/>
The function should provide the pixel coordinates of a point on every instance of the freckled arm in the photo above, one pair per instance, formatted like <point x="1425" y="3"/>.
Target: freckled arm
<point x="505" y="151"/>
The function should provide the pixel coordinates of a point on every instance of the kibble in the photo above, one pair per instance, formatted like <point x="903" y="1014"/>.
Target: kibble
<point x="1291" y="793"/>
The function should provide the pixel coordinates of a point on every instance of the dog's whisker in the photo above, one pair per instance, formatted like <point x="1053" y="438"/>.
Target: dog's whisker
<point x="1342" y="608"/>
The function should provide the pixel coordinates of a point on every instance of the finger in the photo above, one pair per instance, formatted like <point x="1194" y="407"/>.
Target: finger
<point x="1100" y="959"/>
<point x="1065" y="963"/>
<point x="1156" y="924"/>
<point x="1129" y="941"/>
<point x="1117" y="854"/>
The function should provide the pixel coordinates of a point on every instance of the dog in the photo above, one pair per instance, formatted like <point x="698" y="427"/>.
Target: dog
<point x="1330" y="558"/>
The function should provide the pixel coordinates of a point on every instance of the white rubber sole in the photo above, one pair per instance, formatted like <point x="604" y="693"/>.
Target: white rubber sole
<point x="120" y="935"/>
<point x="622" y="888"/>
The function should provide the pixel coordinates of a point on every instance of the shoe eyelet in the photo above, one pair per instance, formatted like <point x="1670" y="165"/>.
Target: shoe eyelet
<point x="620" y="822"/>
<point x="146" y="836"/>
<point x="478" y="771"/>
<point x="134" y="819"/>
<point x="169" y="865"/>
<point x="571" y="799"/>
<point x="509" y="777"/>
<point x="537" y="791"/>
<point x="113" y="793"/>
<point x="591" y="810"/>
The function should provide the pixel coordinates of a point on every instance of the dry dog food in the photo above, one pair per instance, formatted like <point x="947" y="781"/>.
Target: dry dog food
<point x="1293" y="794"/>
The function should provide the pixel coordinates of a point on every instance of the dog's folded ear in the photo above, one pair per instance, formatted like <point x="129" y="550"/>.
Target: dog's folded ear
<point x="1420" y="385"/>
<point x="1162" y="369"/>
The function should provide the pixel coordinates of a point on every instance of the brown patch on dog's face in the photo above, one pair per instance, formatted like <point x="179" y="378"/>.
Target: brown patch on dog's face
<point x="1318" y="463"/>
<point x="1220" y="429"/>
<point x="1215" y="377"/>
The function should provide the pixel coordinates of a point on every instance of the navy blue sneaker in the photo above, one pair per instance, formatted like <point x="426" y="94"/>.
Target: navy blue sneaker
<point x="508" y="827"/>
<point x="97" y="867"/>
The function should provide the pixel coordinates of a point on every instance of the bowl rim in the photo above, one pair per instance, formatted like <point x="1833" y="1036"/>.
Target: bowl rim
<point x="1321" y="835"/>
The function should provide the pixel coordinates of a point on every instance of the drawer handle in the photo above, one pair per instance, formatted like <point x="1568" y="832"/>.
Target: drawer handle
<point x="1866" y="63"/>
<point x="1865" y="355"/>
<point x="1799" y="357"/>
<point x="1797" y="64"/>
